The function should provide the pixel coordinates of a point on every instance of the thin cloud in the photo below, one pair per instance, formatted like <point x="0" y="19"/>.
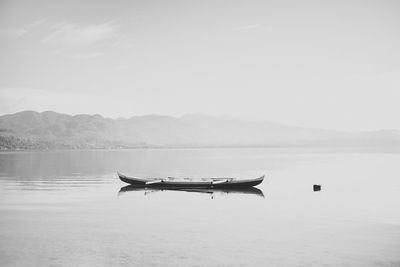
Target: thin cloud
<point x="76" y="55"/>
<point x="18" y="99"/>
<point x="13" y="32"/>
<point x="246" y="27"/>
<point x="74" y="40"/>
<point x="83" y="35"/>
<point x="88" y="55"/>
<point x="21" y="31"/>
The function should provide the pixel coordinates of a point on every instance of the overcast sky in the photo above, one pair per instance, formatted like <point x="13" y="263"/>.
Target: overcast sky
<point x="329" y="64"/>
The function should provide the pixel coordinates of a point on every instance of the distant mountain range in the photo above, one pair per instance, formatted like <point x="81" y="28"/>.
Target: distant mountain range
<point x="51" y="130"/>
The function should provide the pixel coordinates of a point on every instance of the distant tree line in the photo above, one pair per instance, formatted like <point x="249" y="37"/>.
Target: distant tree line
<point x="13" y="143"/>
<point x="18" y="143"/>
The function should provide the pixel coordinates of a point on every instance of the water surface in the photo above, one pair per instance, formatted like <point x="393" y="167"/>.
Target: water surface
<point x="67" y="208"/>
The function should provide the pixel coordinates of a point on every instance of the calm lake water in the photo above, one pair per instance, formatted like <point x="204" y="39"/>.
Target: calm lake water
<point x="67" y="208"/>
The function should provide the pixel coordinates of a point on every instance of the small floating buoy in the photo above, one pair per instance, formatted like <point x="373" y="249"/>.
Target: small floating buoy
<point x="317" y="187"/>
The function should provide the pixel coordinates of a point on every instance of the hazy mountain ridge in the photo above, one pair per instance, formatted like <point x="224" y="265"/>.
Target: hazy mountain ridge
<point x="48" y="130"/>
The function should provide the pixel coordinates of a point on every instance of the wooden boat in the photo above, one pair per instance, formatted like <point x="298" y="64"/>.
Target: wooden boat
<point x="211" y="191"/>
<point x="172" y="182"/>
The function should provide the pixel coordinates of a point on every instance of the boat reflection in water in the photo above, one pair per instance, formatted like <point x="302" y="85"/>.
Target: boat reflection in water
<point x="210" y="191"/>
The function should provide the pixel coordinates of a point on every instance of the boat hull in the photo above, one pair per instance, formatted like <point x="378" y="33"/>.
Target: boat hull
<point x="204" y="183"/>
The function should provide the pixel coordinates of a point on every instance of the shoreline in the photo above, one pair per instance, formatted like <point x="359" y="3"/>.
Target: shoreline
<point x="309" y="149"/>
